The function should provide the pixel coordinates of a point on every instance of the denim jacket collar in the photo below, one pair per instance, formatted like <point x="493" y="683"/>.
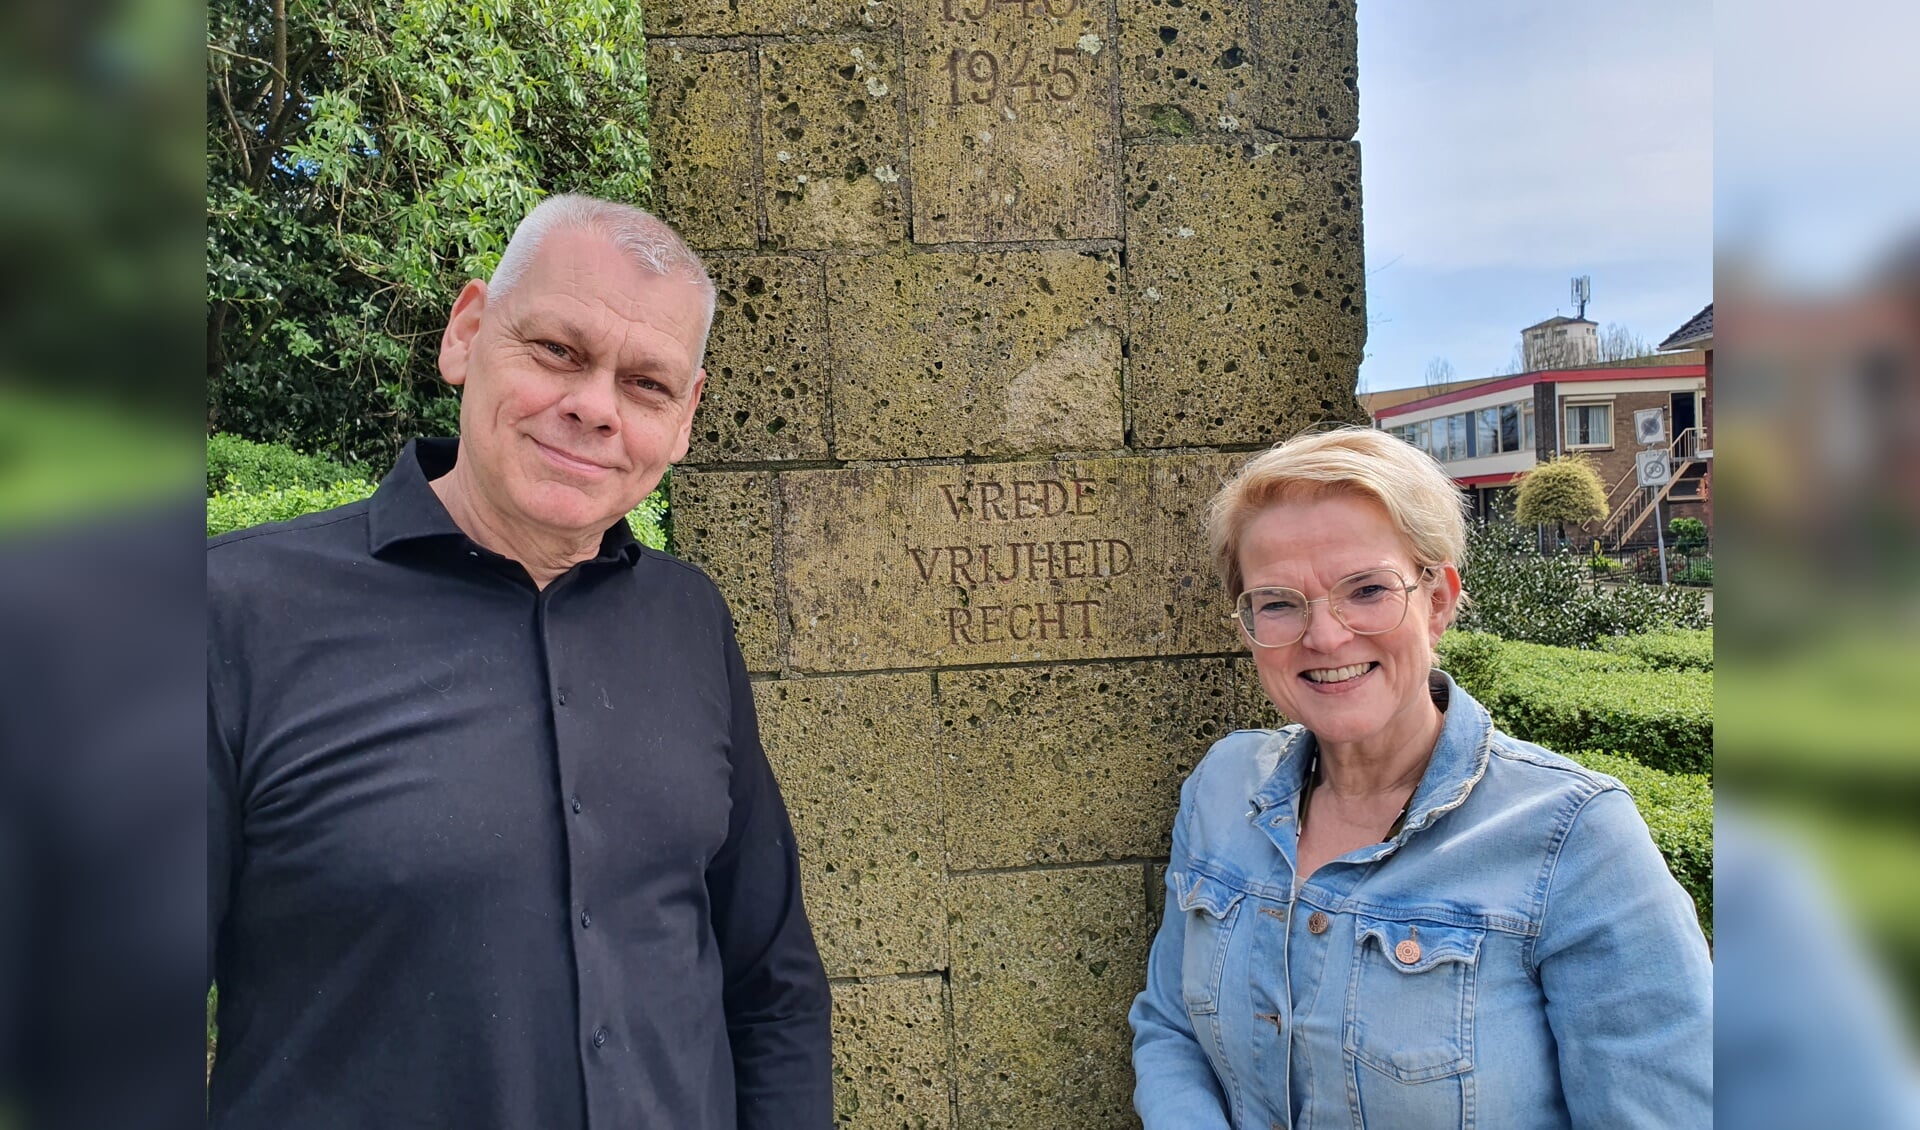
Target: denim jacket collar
<point x="1459" y="761"/>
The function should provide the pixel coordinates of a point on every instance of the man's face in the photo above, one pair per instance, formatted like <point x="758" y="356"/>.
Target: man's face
<point x="579" y="386"/>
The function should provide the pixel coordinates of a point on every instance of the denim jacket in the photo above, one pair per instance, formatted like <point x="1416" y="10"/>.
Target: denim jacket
<point x="1517" y="955"/>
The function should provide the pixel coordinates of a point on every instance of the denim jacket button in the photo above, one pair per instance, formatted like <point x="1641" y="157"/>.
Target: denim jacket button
<point x="1317" y="922"/>
<point x="1407" y="951"/>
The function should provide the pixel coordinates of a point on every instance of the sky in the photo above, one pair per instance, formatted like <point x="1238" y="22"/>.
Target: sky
<point x="1509" y="145"/>
<point x="1814" y="156"/>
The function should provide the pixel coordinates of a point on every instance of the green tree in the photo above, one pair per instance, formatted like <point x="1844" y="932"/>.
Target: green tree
<point x="364" y="159"/>
<point x="1565" y="489"/>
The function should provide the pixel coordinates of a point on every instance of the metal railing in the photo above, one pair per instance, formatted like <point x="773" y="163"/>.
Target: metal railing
<point x="1684" y="449"/>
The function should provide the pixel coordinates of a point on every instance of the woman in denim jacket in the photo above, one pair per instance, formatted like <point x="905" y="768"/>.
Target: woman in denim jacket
<point x="1390" y="914"/>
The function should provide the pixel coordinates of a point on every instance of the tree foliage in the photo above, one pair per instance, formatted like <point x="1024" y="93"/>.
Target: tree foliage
<point x="364" y="159"/>
<point x="1565" y="489"/>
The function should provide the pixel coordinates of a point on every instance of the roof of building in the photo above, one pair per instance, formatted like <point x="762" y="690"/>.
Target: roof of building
<point x="1561" y="320"/>
<point x="1697" y="331"/>
<point x="1375" y="402"/>
<point x="1651" y="368"/>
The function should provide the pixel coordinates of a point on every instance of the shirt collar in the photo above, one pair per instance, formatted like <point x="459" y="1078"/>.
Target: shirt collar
<point x="1459" y="759"/>
<point x="405" y="508"/>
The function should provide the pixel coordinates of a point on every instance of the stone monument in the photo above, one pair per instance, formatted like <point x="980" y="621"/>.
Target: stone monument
<point x="1007" y="287"/>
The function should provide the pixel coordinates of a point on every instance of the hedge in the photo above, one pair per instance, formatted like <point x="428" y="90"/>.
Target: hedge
<point x="238" y="509"/>
<point x="1646" y="701"/>
<point x="1674" y="650"/>
<point x="236" y="464"/>
<point x="250" y="483"/>
<point x="1678" y="809"/>
<point x="1564" y="698"/>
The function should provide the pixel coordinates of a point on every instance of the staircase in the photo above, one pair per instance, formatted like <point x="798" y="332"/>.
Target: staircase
<point x="1629" y="506"/>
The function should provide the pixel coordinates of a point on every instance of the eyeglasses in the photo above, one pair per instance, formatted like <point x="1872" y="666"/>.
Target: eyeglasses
<point x="1367" y="604"/>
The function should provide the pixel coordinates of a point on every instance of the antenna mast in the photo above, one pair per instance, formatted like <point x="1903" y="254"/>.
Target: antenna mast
<point x="1582" y="294"/>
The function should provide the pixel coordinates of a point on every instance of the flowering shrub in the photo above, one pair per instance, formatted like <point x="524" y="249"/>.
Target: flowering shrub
<point x="1519" y="595"/>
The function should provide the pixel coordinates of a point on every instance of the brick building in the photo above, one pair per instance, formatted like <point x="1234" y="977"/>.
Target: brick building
<point x="1491" y="432"/>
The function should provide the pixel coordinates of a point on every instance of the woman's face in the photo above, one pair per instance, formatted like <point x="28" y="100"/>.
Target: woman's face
<point x="1365" y="692"/>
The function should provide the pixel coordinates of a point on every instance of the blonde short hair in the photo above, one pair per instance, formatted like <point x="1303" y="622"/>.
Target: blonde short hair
<point x="1421" y="501"/>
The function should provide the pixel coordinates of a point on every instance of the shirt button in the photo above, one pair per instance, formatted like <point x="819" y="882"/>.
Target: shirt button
<point x="1317" y="922"/>
<point x="576" y="804"/>
<point x="599" y="1037"/>
<point x="562" y="698"/>
<point x="586" y="920"/>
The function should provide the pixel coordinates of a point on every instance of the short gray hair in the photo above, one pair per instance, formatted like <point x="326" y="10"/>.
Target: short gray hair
<point x="641" y="235"/>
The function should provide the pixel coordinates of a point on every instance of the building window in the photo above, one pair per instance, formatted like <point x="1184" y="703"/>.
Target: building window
<point x="1502" y="429"/>
<point x="1454" y="445"/>
<point x="1589" y="425"/>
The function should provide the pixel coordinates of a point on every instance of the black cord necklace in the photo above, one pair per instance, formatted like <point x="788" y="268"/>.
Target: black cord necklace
<point x="1313" y="781"/>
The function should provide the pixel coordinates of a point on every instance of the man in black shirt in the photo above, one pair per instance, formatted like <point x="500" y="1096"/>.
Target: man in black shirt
<point x="491" y="838"/>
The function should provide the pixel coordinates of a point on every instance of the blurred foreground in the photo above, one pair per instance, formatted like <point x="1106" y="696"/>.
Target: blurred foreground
<point x="102" y="832"/>
<point x="1817" y="490"/>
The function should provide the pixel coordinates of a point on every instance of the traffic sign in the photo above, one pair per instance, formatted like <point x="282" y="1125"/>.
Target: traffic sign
<point x="1654" y="467"/>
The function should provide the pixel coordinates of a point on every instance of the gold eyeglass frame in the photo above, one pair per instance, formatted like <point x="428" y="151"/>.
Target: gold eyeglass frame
<point x="1241" y="608"/>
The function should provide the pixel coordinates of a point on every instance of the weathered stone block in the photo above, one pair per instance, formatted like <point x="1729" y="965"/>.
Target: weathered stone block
<point x="766" y="394"/>
<point x="1186" y="66"/>
<point x="768" y="17"/>
<point x="1045" y="966"/>
<point x="702" y="139"/>
<point x="891" y="1064"/>
<point x="941" y="566"/>
<point x="854" y="761"/>
<point x="832" y="153"/>
<point x="1156" y="893"/>
<point x="1243" y="290"/>
<point x="1308" y="59"/>
<point x="997" y="353"/>
<point x="1072" y="764"/>
<point x="1255" y="711"/>
<point x="723" y="522"/>
<point x="1012" y="119"/>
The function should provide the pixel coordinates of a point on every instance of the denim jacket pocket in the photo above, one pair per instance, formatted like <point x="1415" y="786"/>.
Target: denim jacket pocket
<point x="1410" y="1000"/>
<point x="1210" y="907"/>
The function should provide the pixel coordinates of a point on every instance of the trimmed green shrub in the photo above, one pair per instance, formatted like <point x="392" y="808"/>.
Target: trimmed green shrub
<point x="1472" y="658"/>
<point x="1647" y="697"/>
<point x="1565" y="490"/>
<point x="236" y="464"/>
<point x="1663" y="719"/>
<point x="1678" y="809"/>
<point x="1688" y="650"/>
<point x="236" y="510"/>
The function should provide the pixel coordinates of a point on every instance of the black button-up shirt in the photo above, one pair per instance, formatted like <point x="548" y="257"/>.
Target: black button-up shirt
<point x="485" y="855"/>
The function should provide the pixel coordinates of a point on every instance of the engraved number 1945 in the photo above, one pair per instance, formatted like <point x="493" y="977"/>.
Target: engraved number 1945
<point x="982" y="70"/>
